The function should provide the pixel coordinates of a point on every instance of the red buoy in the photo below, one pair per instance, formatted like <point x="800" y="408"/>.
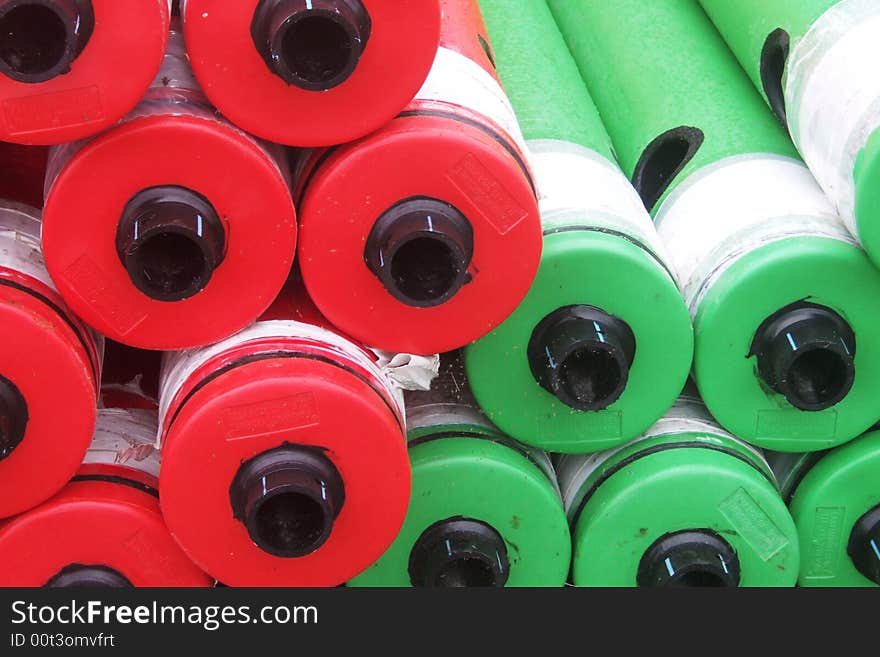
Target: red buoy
<point x="105" y="528"/>
<point x="284" y="460"/>
<point x="425" y="235"/>
<point x="50" y="366"/>
<point x="311" y="72"/>
<point x="174" y="229"/>
<point x="71" y="68"/>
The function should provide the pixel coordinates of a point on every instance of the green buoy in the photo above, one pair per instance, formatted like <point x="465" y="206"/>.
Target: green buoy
<point x="684" y="505"/>
<point x="602" y="344"/>
<point x="485" y="510"/>
<point x="835" y="502"/>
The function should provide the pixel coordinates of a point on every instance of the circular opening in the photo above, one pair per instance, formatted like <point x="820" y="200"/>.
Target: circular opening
<point x="425" y="269"/>
<point x="317" y="50"/>
<point x="590" y="375"/>
<point x="13" y="417"/>
<point x="79" y="576"/>
<point x="818" y="378"/>
<point x="34" y="39"/>
<point x="466" y="572"/>
<point x="290" y="523"/>
<point x="698" y="579"/>
<point x="169" y="264"/>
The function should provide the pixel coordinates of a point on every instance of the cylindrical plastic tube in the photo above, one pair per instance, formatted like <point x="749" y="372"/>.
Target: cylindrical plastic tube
<point x="50" y="368"/>
<point x="783" y="300"/>
<point x="485" y="510"/>
<point x="425" y="235"/>
<point x="105" y="528"/>
<point x="835" y="503"/>
<point x="283" y="453"/>
<point x="684" y="505"/>
<point x="602" y="345"/>
<point x="72" y="68"/>
<point x="174" y="229"/>
<point x="24" y="170"/>
<point x="815" y="61"/>
<point x="311" y="72"/>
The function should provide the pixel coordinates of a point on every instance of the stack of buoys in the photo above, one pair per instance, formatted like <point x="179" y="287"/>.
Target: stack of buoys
<point x="439" y="293"/>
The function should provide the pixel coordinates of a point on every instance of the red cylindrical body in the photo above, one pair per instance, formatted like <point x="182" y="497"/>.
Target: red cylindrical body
<point x="375" y="53"/>
<point x="174" y="229"/>
<point x="50" y="368"/>
<point x="285" y="386"/>
<point x="106" y="523"/>
<point x="425" y="235"/>
<point x="72" y="68"/>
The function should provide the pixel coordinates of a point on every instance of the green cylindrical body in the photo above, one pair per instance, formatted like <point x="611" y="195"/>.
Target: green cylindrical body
<point x="601" y="255"/>
<point x="829" y="493"/>
<point x="746" y="25"/>
<point x="685" y="474"/>
<point x="655" y="66"/>
<point x="755" y="242"/>
<point x="540" y="77"/>
<point x="465" y="468"/>
<point x="815" y="62"/>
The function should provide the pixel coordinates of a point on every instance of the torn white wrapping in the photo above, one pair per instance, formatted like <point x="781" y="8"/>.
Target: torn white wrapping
<point x="735" y="206"/>
<point x="409" y="372"/>
<point x="127" y="438"/>
<point x="579" y="187"/>
<point x="397" y="372"/>
<point x="832" y="95"/>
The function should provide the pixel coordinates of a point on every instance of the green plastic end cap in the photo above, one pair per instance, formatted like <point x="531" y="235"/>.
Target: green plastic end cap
<point x="836" y="508"/>
<point x="685" y="490"/>
<point x="867" y="201"/>
<point x="486" y="482"/>
<point x="587" y="268"/>
<point x="829" y="273"/>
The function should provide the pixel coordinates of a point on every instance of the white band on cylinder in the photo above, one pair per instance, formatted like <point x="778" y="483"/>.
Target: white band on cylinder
<point x="20" y="251"/>
<point x="579" y="187"/>
<point x="832" y="95"/>
<point x="20" y="242"/>
<point x="735" y="206"/>
<point x="396" y="373"/>
<point x="458" y="80"/>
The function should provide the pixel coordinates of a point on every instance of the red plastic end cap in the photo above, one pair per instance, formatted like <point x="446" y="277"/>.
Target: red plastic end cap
<point x="105" y="80"/>
<point x="50" y="368"/>
<point x="431" y="157"/>
<point x="104" y="524"/>
<point x="401" y="43"/>
<point x="90" y="196"/>
<point x="259" y="407"/>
